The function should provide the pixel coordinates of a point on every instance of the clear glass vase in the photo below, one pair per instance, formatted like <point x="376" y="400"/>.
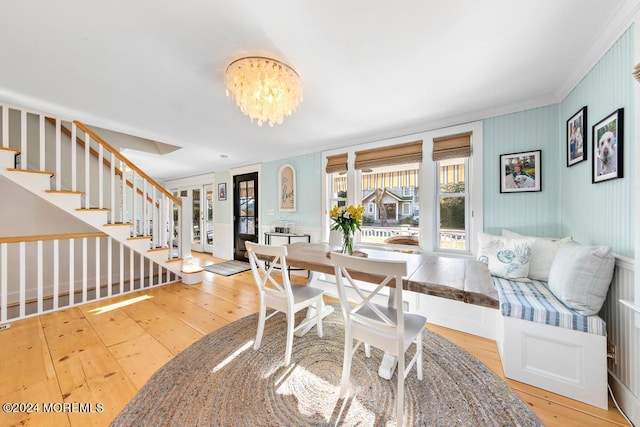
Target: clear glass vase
<point x="347" y="242"/>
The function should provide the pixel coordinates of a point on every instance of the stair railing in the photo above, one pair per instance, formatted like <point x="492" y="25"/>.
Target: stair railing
<point x="82" y="161"/>
<point x="40" y="274"/>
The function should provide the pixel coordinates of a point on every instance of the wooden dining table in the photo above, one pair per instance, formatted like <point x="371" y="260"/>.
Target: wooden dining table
<point x="457" y="278"/>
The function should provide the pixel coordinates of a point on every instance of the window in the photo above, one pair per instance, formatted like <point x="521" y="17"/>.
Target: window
<point x="406" y="209"/>
<point x="452" y="204"/>
<point x="389" y="208"/>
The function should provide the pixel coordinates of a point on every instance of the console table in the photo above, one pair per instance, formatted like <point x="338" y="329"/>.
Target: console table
<point x="290" y="238"/>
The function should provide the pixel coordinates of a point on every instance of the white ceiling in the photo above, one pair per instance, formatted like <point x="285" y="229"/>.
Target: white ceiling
<point x="371" y="69"/>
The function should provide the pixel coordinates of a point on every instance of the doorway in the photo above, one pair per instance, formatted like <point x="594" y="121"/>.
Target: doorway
<point x="245" y="213"/>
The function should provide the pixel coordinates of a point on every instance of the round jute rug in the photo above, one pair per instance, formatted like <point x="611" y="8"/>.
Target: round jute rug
<point x="221" y="380"/>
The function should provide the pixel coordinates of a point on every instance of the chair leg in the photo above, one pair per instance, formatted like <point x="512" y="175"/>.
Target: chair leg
<point x="346" y="364"/>
<point x="419" y="355"/>
<point x="400" y="387"/>
<point x="319" y="317"/>
<point x="261" y="320"/>
<point x="290" y="320"/>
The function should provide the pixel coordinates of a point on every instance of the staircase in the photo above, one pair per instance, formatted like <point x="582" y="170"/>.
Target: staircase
<point x="65" y="163"/>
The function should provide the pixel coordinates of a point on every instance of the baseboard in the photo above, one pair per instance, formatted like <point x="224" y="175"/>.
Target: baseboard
<point x="628" y="402"/>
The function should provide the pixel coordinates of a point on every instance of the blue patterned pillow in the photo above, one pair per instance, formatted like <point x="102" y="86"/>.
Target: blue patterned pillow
<point x="507" y="257"/>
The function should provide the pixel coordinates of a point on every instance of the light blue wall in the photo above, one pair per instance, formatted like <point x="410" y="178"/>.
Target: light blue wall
<point x="568" y="205"/>
<point x="601" y="213"/>
<point x="309" y="191"/>
<point x="532" y="213"/>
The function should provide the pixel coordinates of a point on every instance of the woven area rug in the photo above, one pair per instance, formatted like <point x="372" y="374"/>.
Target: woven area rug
<point x="221" y="380"/>
<point x="228" y="268"/>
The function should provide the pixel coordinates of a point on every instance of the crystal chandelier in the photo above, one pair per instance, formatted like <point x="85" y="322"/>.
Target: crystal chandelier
<point x="265" y="89"/>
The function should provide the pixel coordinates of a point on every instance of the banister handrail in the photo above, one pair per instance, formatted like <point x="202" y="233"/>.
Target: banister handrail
<point x="94" y="153"/>
<point x="122" y="158"/>
<point x="47" y="237"/>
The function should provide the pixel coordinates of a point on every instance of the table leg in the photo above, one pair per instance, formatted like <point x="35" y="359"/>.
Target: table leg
<point x="387" y="366"/>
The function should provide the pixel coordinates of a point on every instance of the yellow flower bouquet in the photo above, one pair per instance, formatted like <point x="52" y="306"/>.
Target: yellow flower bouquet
<point x="348" y="219"/>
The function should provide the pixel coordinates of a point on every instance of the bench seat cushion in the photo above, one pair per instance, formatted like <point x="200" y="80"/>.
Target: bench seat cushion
<point x="534" y="301"/>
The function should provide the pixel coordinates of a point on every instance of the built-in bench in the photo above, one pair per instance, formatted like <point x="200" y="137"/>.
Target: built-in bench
<point x="544" y="343"/>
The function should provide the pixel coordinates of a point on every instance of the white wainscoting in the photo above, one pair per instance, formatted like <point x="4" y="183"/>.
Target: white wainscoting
<point x="624" y="372"/>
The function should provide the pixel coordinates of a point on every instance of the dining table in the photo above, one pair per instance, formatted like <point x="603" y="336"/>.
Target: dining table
<point x="452" y="277"/>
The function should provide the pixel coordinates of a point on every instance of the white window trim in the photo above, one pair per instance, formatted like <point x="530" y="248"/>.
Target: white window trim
<point x="466" y="196"/>
<point x="427" y="188"/>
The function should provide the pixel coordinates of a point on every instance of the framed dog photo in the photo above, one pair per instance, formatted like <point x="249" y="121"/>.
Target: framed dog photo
<point x="521" y="172"/>
<point x="577" y="137"/>
<point x="607" y="147"/>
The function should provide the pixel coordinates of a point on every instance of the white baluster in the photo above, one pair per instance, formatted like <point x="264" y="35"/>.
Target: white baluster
<point x="131" y="272"/>
<point x="72" y="272"/>
<point x="112" y="189"/>
<point x="100" y="176"/>
<point x="3" y="275"/>
<point x="42" y="143"/>
<point x="85" y="272"/>
<point x="109" y="266"/>
<point x="97" y="257"/>
<point x="40" y="273"/>
<point x="121" y="272"/>
<point x="74" y="159"/>
<point x="56" y="273"/>
<point x="23" y="141"/>
<point x="144" y="205"/>
<point x="123" y="187"/>
<point x="134" y="215"/>
<point x="87" y="159"/>
<point x="58" y="171"/>
<point x="141" y="271"/>
<point x="23" y="278"/>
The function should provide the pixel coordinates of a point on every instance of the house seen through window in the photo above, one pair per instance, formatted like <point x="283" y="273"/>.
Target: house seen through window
<point x="392" y="209"/>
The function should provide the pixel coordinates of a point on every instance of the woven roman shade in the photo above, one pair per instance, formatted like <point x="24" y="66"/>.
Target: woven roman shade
<point x="452" y="146"/>
<point x="388" y="156"/>
<point x="337" y="163"/>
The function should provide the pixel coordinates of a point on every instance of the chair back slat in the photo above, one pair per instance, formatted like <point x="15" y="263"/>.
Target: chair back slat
<point x="360" y="307"/>
<point x="259" y="257"/>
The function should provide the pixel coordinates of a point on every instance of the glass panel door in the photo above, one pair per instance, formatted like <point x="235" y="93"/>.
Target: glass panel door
<point x="208" y="220"/>
<point x="196" y="223"/>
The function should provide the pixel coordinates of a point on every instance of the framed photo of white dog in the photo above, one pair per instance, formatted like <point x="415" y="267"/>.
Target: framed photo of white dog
<point x="520" y="172"/>
<point x="577" y="137"/>
<point x="607" y="147"/>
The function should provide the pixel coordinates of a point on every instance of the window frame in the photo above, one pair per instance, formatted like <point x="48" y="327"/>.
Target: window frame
<point x="426" y="185"/>
<point x="440" y="196"/>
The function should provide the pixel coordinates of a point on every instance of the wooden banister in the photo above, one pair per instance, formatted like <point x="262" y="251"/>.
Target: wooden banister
<point x="120" y="157"/>
<point x="105" y="162"/>
<point x="46" y="237"/>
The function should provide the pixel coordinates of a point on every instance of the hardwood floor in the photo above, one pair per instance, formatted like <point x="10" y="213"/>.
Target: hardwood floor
<point x="97" y="356"/>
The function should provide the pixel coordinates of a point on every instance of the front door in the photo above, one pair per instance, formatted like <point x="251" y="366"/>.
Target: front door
<point x="245" y="213"/>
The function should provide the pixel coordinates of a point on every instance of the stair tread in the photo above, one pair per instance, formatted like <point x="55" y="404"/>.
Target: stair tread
<point x="94" y="209"/>
<point x="118" y="224"/>
<point x="16" y="150"/>
<point x="64" y="191"/>
<point x="158" y="249"/>
<point x="139" y="237"/>
<point x="30" y="171"/>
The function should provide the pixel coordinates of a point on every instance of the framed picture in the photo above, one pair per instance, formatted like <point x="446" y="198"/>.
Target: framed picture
<point x="287" y="189"/>
<point x="520" y="172"/>
<point x="577" y="137"/>
<point x="607" y="147"/>
<point x="222" y="191"/>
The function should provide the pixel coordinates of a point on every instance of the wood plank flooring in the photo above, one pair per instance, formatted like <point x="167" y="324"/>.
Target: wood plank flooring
<point x="102" y="353"/>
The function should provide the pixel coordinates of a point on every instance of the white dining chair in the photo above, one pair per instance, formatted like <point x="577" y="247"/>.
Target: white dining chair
<point x="282" y="296"/>
<point x="388" y="328"/>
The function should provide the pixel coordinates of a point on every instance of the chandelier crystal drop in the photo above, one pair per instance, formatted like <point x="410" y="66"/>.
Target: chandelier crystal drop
<point x="265" y="89"/>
